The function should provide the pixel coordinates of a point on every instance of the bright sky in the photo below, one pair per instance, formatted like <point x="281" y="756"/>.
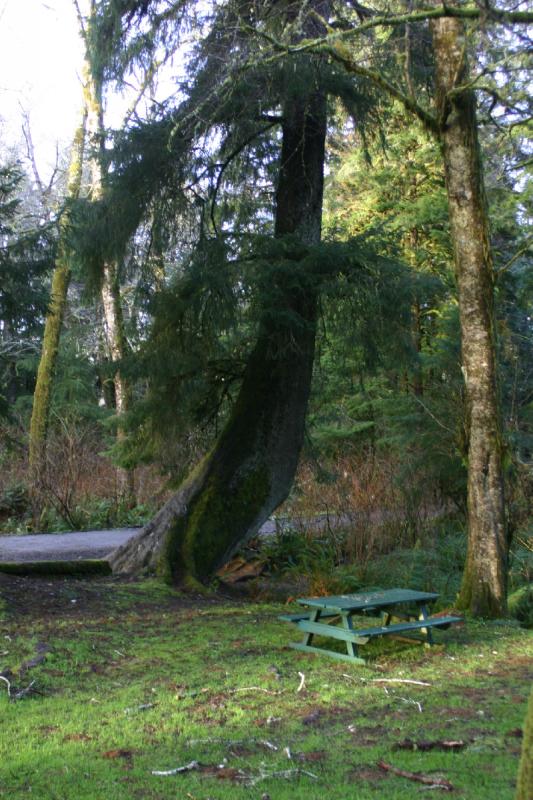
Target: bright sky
<point x="40" y="62"/>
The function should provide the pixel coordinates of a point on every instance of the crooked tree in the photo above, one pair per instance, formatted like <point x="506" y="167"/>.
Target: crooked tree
<point x="250" y="470"/>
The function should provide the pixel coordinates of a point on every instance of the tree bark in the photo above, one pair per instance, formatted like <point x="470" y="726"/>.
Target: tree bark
<point x="54" y="319"/>
<point x="484" y="583"/>
<point x="251" y="468"/>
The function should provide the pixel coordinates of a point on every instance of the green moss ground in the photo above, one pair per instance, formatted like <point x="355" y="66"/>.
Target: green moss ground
<point x="138" y="678"/>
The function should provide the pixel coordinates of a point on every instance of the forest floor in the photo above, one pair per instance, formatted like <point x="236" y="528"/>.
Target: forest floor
<point x="113" y="680"/>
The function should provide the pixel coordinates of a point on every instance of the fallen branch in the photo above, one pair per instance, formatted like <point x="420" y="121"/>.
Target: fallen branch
<point x="269" y="745"/>
<point x="177" y="770"/>
<point x="8" y="685"/>
<point x="288" y="774"/>
<point x="433" y="782"/>
<point x="20" y="693"/>
<point x="252" y="689"/>
<point x="440" y="744"/>
<point x="400" y="680"/>
<point x="302" y="681"/>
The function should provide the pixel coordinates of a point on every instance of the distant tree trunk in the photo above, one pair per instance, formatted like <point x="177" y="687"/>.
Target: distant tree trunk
<point x="54" y="318"/>
<point x="115" y="337"/>
<point x="484" y="584"/>
<point x="524" y="786"/>
<point x="251" y="468"/>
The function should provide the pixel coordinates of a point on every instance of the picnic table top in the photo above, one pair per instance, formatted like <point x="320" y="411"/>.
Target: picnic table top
<point x="378" y="599"/>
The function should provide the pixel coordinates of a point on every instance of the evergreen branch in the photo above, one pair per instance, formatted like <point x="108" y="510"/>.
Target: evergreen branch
<point x="81" y="21"/>
<point x="148" y="77"/>
<point x="520" y="252"/>
<point x="409" y="103"/>
<point x="423" y="15"/>
<point x="227" y="161"/>
<point x="433" y="417"/>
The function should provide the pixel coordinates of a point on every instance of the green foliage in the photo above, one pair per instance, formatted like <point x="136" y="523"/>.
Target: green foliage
<point x="26" y="254"/>
<point x="14" y="500"/>
<point x="520" y="604"/>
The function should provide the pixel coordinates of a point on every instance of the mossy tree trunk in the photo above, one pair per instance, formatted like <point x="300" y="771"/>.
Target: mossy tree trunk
<point x="251" y="468"/>
<point x="484" y="585"/>
<point x="54" y="319"/>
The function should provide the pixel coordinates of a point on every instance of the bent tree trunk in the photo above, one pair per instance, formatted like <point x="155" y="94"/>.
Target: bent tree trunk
<point x="252" y="466"/>
<point x="484" y="584"/>
<point x="54" y="318"/>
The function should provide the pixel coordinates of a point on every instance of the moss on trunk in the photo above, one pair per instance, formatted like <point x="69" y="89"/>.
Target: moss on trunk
<point x="54" y="319"/>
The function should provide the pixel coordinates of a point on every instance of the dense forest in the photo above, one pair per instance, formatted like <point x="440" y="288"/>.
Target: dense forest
<point x="296" y="279"/>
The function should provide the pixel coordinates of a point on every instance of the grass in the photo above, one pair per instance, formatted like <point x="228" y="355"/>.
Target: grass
<point x="137" y="677"/>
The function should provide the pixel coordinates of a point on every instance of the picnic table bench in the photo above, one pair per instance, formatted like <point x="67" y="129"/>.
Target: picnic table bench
<point x="332" y="617"/>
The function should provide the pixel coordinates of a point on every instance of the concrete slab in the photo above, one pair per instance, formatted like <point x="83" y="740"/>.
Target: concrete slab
<point x="63" y="546"/>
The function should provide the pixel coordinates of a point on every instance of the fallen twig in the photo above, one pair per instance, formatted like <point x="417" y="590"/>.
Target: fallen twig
<point x="440" y="744"/>
<point x="302" y="681"/>
<point x="269" y="745"/>
<point x="411" y="702"/>
<point x="433" y="782"/>
<point x="20" y="693"/>
<point x="252" y="689"/>
<point x="177" y="770"/>
<point x="284" y="773"/>
<point x="399" y="680"/>
<point x="143" y="707"/>
<point x="8" y="685"/>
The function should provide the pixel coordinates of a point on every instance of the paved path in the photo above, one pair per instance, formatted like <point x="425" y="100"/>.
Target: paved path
<point x="98" y="544"/>
<point x="63" y="546"/>
<point x="74" y="546"/>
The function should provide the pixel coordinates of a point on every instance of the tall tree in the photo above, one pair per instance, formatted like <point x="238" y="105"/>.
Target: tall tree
<point x="484" y="588"/>
<point x="251" y="468"/>
<point x="114" y="332"/>
<point x="455" y="126"/>
<point x="54" y="318"/>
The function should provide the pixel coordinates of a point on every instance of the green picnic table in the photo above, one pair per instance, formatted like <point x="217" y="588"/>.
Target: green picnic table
<point x="332" y="617"/>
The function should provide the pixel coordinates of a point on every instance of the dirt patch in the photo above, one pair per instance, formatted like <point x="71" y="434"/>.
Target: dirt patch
<point x="72" y="598"/>
<point x="368" y="773"/>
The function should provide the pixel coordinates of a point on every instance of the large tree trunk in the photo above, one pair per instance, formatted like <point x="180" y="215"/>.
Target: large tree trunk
<point x="485" y="577"/>
<point x="252" y="466"/>
<point x="52" y="330"/>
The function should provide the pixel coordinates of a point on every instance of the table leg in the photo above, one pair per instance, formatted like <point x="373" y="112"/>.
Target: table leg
<point x="351" y="647"/>
<point x="424" y="614"/>
<point x="313" y="617"/>
<point x="386" y="618"/>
